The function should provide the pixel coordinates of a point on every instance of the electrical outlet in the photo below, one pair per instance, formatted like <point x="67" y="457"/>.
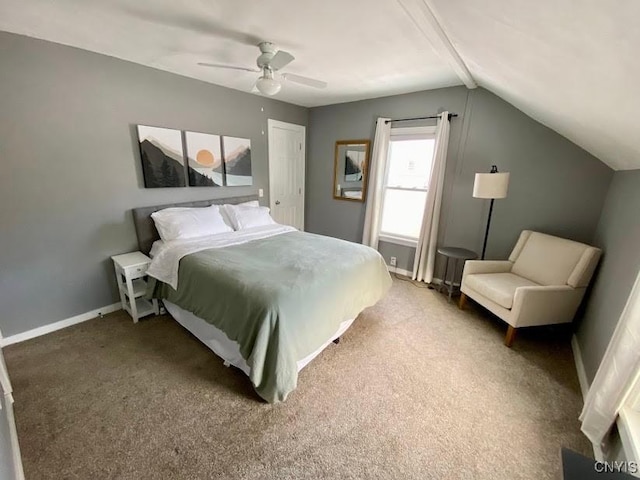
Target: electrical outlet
<point x="392" y="261"/>
<point x="260" y="193"/>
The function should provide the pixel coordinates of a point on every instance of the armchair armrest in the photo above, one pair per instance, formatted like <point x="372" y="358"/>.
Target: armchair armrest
<point x="545" y="305"/>
<point x="486" y="266"/>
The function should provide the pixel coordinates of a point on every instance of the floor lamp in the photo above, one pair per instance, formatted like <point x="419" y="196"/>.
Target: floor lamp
<point x="490" y="185"/>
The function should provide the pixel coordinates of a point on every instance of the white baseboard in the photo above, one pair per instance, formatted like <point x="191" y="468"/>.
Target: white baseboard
<point x="52" y="327"/>
<point x="584" y="387"/>
<point x="400" y="271"/>
<point x="408" y="273"/>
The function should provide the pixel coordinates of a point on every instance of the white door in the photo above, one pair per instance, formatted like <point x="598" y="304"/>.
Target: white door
<point x="286" y="172"/>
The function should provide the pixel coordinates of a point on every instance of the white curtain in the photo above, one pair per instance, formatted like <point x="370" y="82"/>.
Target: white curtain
<point x="617" y="374"/>
<point x="376" y="181"/>
<point x="424" y="261"/>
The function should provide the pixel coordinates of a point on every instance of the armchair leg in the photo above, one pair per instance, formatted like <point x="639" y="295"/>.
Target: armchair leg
<point x="463" y="301"/>
<point x="511" y="334"/>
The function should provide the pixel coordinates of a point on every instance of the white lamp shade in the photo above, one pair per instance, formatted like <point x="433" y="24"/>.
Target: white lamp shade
<point x="491" y="185"/>
<point x="268" y="86"/>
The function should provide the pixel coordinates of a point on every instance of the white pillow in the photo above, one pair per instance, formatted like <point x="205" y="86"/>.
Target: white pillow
<point x="252" y="203"/>
<point x="244" y="217"/>
<point x="181" y="223"/>
<point x="227" y="217"/>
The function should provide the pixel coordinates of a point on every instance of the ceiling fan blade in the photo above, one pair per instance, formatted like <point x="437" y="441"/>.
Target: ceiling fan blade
<point x="230" y="67"/>
<point x="309" y="82"/>
<point x="281" y="59"/>
<point x="192" y="22"/>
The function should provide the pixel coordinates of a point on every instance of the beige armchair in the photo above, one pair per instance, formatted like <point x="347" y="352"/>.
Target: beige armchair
<point x="542" y="283"/>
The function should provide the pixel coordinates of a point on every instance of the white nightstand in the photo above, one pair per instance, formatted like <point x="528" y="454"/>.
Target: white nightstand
<point x="131" y="268"/>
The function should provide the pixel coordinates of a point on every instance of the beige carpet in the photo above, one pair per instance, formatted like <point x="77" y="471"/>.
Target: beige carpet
<point x="416" y="389"/>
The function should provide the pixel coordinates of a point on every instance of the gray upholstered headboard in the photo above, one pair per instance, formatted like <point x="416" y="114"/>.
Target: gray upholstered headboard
<point x="146" y="229"/>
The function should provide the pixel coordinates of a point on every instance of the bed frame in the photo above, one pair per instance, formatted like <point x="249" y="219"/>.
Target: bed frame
<point x="146" y="229"/>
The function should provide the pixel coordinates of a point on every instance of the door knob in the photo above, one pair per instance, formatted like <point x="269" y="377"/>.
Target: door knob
<point x="277" y="202"/>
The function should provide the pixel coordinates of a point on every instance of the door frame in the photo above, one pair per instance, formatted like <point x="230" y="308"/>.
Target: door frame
<point x="8" y="412"/>
<point x="272" y="124"/>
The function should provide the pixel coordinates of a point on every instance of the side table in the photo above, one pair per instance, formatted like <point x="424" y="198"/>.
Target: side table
<point x="453" y="254"/>
<point x="131" y="268"/>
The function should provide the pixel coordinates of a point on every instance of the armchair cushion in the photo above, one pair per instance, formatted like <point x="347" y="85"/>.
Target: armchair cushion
<point x="497" y="287"/>
<point x="547" y="260"/>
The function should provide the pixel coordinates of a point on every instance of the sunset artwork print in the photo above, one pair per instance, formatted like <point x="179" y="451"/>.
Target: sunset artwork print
<point x="161" y="155"/>
<point x="204" y="160"/>
<point x="237" y="161"/>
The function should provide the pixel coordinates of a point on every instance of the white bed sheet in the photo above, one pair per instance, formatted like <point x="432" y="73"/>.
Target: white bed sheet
<point x="155" y="248"/>
<point x="227" y="349"/>
<point x="165" y="262"/>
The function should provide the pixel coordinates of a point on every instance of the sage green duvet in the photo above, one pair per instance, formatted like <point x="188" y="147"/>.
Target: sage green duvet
<point x="280" y="298"/>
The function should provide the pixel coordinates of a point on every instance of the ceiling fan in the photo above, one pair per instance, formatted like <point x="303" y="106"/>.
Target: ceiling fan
<point x="269" y="63"/>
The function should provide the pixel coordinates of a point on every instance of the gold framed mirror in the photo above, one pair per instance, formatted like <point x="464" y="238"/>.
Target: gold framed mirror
<point x="351" y="170"/>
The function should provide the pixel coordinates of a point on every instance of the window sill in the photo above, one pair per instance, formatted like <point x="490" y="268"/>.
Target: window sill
<point x="398" y="240"/>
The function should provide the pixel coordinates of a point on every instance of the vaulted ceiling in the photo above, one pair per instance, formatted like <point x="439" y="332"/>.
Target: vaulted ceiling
<point x="570" y="64"/>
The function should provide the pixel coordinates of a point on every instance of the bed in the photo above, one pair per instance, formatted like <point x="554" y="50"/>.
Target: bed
<point x="268" y="299"/>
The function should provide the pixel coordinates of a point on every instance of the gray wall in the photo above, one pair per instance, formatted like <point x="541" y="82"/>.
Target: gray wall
<point x="356" y="120"/>
<point x="71" y="168"/>
<point x="618" y="234"/>
<point x="556" y="187"/>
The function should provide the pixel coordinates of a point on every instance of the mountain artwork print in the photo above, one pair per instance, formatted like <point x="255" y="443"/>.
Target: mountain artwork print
<point x="204" y="160"/>
<point x="237" y="161"/>
<point x="354" y="159"/>
<point x="162" y="157"/>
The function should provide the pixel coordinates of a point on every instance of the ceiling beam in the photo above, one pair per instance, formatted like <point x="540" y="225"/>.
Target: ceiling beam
<point x="421" y="13"/>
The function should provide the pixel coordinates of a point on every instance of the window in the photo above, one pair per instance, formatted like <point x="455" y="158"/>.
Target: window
<point x="406" y="182"/>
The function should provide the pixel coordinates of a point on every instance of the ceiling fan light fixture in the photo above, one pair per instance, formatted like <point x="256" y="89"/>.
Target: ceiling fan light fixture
<point x="267" y="85"/>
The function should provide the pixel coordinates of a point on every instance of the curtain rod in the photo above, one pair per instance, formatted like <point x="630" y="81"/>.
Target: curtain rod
<point x="419" y="118"/>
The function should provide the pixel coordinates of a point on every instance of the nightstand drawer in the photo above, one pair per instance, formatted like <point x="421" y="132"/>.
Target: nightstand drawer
<point x="136" y="272"/>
